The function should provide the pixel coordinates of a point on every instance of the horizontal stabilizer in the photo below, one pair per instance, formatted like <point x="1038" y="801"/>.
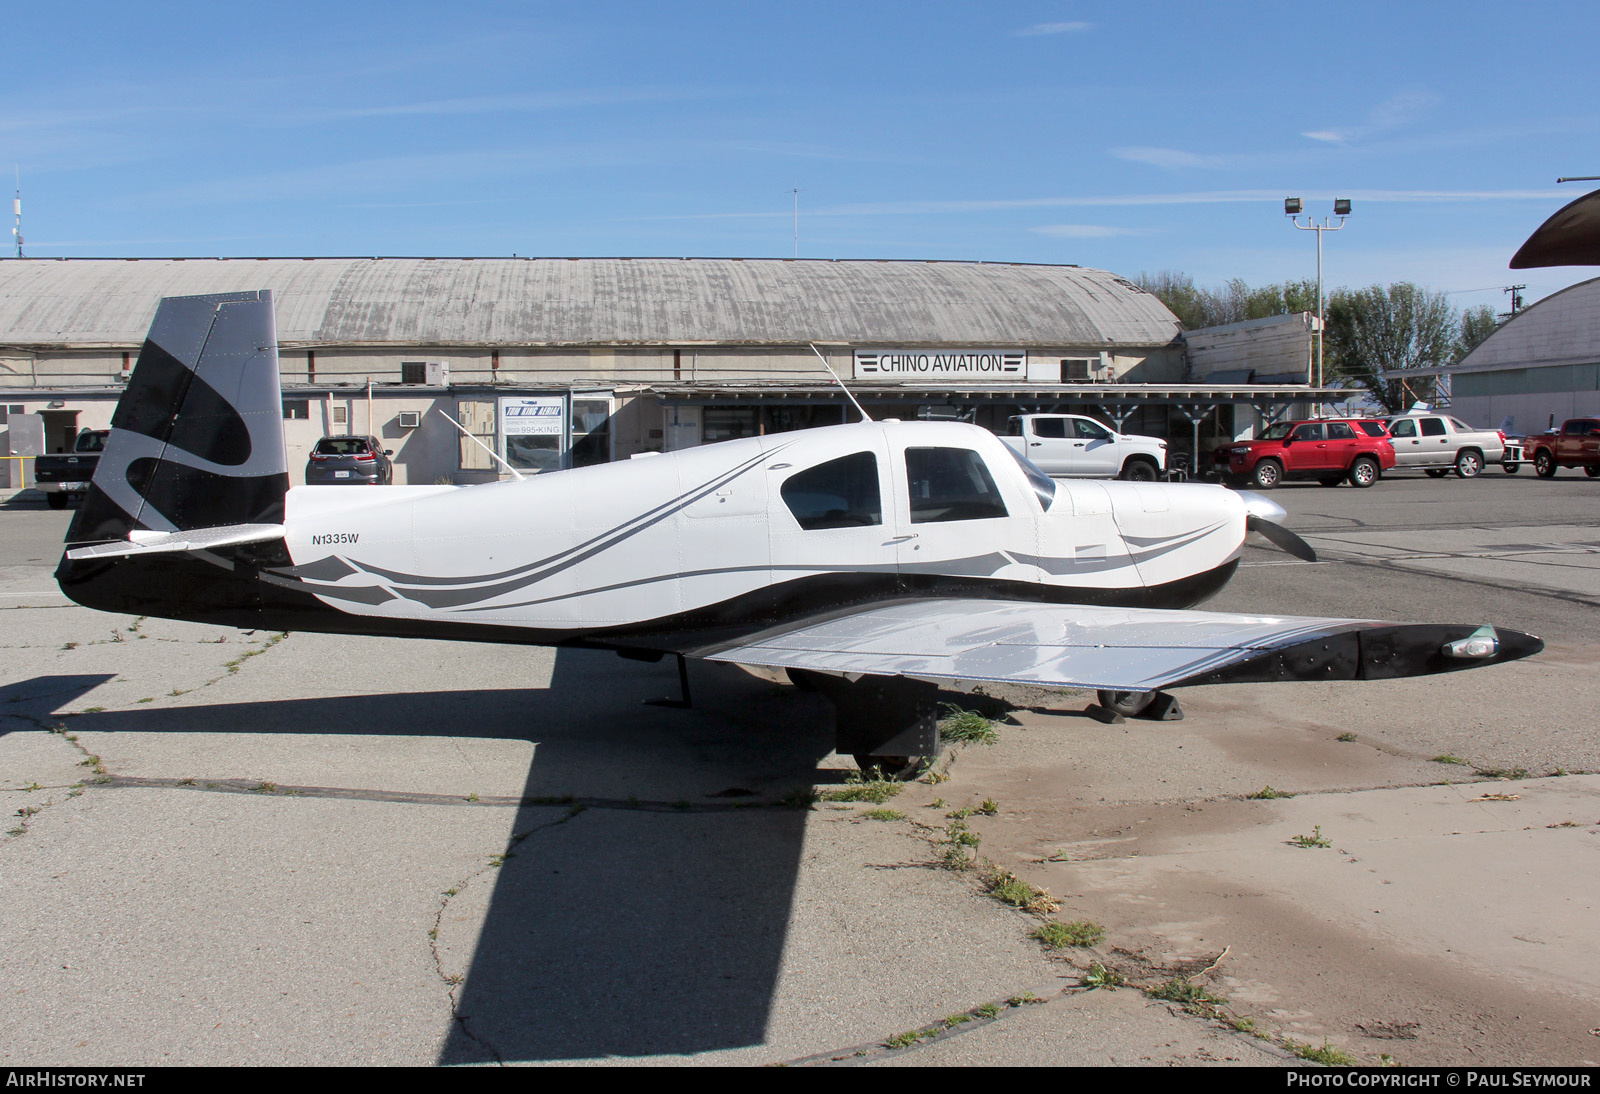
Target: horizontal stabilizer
<point x="142" y="542"/>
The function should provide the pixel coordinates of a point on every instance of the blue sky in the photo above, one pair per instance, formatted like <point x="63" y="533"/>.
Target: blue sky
<point x="1130" y="136"/>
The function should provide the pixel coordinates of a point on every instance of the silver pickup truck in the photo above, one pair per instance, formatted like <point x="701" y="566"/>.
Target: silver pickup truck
<point x="1072" y="446"/>
<point x="1437" y="443"/>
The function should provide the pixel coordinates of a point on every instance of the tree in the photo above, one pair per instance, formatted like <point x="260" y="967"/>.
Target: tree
<point x="1376" y="335"/>
<point x="1234" y="302"/>
<point x="1476" y="325"/>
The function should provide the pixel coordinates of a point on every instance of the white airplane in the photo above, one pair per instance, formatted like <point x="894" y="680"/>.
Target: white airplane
<point x="874" y="561"/>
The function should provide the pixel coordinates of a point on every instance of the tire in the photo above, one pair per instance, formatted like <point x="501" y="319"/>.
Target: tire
<point x="1469" y="461"/>
<point x="1436" y="472"/>
<point x="889" y="768"/>
<point x="56" y="499"/>
<point x="1139" y="471"/>
<point x="1364" y="472"/>
<point x="1544" y="464"/>
<point x="1126" y="703"/>
<point x="1510" y="468"/>
<point x="1268" y="474"/>
<point x="1592" y="470"/>
<point x="1331" y="480"/>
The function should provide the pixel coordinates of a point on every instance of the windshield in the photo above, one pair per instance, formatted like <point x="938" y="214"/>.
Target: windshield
<point x="1044" y="487"/>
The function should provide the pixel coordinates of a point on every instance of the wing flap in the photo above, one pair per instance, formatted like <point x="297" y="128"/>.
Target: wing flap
<point x="1116" y="649"/>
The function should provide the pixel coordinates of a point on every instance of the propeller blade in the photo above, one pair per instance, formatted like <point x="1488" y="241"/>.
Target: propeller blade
<point x="1280" y="536"/>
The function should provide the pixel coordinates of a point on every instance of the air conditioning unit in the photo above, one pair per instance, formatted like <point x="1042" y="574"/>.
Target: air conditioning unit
<point x="438" y="373"/>
<point x="410" y="419"/>
<point x="124" y="375"/>
<point x="1077" y="370"/>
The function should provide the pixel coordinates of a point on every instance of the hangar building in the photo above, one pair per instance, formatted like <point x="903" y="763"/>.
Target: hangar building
<point x="1538" y="369"/>
<point x="553" y="361"/>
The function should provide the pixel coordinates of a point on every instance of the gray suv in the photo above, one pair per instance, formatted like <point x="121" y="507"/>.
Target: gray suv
<point x="349" y="461"/>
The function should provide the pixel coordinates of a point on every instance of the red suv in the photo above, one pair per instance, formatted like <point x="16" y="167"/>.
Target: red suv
<point x="1329" y="450"/>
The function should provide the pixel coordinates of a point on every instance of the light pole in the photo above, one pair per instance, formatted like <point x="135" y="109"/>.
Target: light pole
<point x="1341" y="209"/>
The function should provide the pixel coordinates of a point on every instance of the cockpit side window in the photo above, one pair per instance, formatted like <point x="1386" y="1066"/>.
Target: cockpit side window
<point x="950" y="484"/>
<point x="841" y="493"/>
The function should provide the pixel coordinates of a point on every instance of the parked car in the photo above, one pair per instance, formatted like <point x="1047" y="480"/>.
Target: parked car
<point x="349" y="461"/>
<point x="59" y="476"/>
<point x="1575" y="444"/>
<point x="1437" y="443"/>
<point x="1073" y="446"/>
<point x="1329" y="450"/>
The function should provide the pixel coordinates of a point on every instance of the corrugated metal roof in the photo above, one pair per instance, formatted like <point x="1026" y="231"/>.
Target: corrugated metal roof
<point x="1561" y="329"/>
<point x="585" y="301"/>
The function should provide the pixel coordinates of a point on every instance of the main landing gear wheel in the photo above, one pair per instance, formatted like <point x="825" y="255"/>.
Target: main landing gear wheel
<point x="1468" y="464"/>
<point x="1363" y="472"/>
<point x="1126" y="703"/>
<point x="892" y="768"/>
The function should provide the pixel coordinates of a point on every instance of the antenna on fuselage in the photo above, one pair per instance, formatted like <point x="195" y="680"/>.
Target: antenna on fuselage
<point x="864" y="415"/>
<point x="493" y="455"/>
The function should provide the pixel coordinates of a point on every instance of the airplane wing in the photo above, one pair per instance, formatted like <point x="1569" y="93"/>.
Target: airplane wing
<point x="1117" y="649"/>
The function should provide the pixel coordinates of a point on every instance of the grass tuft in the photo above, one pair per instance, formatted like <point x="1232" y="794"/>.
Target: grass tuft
<point x="967" y="727"/>
<point x="1056" y="935"/>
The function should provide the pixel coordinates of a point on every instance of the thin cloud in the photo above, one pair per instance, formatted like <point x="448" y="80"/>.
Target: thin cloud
<point x="1393" y="113"/>
<point x="1086" y="231"/>
<point x="1039" y="29"/>
<point x="1170" y="158"/>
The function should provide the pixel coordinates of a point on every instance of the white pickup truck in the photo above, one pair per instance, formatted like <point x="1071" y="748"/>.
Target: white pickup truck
<point x="1072" y="446"/>
<point x="1437" y="443"/>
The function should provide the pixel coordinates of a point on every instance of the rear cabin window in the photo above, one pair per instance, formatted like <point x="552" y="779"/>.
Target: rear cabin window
<point x="1433" y="427"/>
<point x="841" y="493"/>
<point x="950" y="484"/>
<point x="342" y="446"/>
<point x="1339" y="431"/>
<point x="1050" y="427"/>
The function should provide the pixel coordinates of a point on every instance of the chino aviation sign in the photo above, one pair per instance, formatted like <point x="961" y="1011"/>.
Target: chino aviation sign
<point x="941" y="364"/>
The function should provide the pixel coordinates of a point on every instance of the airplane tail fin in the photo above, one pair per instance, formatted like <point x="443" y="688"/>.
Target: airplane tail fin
<point x="197" y="438"/>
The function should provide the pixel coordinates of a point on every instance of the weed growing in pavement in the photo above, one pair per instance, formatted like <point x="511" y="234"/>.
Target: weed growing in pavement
<point x="960" y="844"/>
<point x="1446" y="758"/>
<point x="989" y="807"/>
<point x="856" y="788"/>
<point x="988" y="1010"/>
<point x="1099" y="976"/>
<point x="1008" y="888"/>
<point x="884" y="815"/>
<point x="803" y="798"/>
<point x="1327" y="1055"/>
<point x="1315" y="839"/>
<point x="966" y="726"/>
<point x="1079" y="932"/>
<point x="1347" y="737"/>
<point x="1193" y="998"/>
<point x="1266" y="793"/>
<point x="1501" y="772"/>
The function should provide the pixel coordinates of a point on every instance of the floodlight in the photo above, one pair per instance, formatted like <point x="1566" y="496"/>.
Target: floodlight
<point x="1341" y="207"/>
<point x="1291" y="207"/>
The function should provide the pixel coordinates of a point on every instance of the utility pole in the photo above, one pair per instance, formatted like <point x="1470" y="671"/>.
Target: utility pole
<point x="797" y="222"/>
<point x="16" y="205"/>
<point x="1341" y="209"/>
<point x="1516" y="301"/>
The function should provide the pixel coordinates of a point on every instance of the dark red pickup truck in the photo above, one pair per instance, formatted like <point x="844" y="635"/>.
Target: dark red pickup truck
<point x="1575" y="444"/>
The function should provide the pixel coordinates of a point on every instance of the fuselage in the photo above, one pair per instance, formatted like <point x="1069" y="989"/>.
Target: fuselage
<point x="752" y="532"/>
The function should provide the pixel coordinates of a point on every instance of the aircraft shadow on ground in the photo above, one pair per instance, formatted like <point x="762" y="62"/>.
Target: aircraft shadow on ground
<point x="634" y="927"/>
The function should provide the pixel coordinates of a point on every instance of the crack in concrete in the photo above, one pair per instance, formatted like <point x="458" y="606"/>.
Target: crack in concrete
<point x="496" y="862"/>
